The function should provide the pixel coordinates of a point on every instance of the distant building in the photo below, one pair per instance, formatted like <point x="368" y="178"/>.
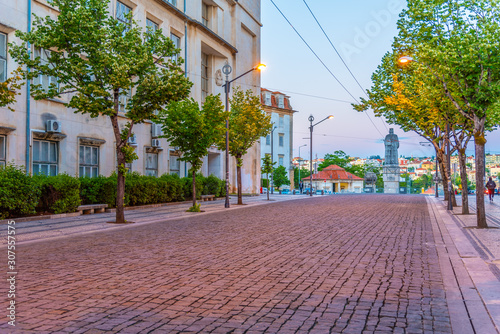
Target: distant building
<point x="278" y="106"/>
<point x="334" y="179"/>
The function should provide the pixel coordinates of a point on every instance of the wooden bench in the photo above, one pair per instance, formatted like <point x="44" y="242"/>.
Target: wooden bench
<point x="207" y="197"/>
<point x="92" y="208"/>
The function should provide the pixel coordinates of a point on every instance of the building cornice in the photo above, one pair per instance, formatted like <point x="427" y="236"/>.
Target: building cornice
<point x="279" y="110"/>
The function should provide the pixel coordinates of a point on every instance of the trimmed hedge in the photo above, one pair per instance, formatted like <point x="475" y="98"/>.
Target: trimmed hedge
<point x="60" y="193"/>
<point x="22" y="195"/>
<point x="19" y="193"/>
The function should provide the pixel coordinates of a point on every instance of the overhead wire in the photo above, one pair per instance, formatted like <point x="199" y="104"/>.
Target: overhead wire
<point x="321" y="61"/>
<point x="338" y="54"/>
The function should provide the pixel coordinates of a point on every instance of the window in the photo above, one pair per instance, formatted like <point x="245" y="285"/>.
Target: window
<point x="45" y="80"/>
<point x="45" y="157"/>
<point x="177" y="43"/>
<point x="268" y="140"/>
<point x="152" y="164"/>
<point x="121" y="13"/>
<point x="281" y="121"/>
<point x="281" y="140"/>
<point x="2" y="150"/>
<point x="204" y="76"/>
<point x="204" y="14"/>
<point x="268" y="99"/>
<point x="281" y="101"/>
<point x="151" y="26"/>
<point x="3" y="57"/>
<point x="173" y="2"/>
<point x="281" y="160"/>
<point x="175" y="166"/>
<point x="89" y="161"/>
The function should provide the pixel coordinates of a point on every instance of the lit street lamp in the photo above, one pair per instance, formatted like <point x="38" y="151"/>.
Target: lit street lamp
<point x="311" y="127"/>
<point x="227" y="69"/>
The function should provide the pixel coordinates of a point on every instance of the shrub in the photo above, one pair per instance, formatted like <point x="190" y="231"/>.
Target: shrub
<point x="60" y="193"/>
<point x="99" y="190"/>
<point x="140" y="189"/>
<point x="211" y="185"/>
<point x="19" y="193"/>
<point x="174" y="187"/>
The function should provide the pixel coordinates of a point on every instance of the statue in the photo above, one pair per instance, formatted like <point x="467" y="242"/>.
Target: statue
<point x="391" y="171"/>
<point x="391" y="148"/>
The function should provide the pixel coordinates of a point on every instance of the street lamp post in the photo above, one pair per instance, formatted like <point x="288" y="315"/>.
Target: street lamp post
<point x="227" y="69"/>
<point x="272" y="160"/>
<point x="311" y="127"/>
<point x="300" y="159"/>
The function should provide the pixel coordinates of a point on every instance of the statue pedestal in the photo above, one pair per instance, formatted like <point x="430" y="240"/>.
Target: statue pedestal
<point x="391" y="179"/>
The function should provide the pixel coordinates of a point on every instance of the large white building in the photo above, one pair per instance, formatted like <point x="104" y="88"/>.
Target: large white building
<point x="280" y="141"/>
<point x="49" y="138"/>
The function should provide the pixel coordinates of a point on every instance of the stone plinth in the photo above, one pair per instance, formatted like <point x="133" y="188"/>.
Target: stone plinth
<point x="391" y="179"/>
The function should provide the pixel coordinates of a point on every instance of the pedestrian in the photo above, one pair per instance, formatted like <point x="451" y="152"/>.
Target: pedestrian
<point x="491" y="185"/>
<point x="301" y="186"/>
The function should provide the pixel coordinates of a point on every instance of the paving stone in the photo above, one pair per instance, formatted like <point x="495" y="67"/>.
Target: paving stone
<point x="347" y="264"/>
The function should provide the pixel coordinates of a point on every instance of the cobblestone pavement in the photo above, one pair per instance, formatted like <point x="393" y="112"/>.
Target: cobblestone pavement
<point x="350" y="264"/>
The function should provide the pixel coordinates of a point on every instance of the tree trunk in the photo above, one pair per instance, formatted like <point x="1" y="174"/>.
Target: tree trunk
<point x="238" y="175"/>
<point x="463" y="177"/>
<point x="267" y="176"/>
<point x="479" y="142"/>
<point x="120" y="194"/>
<point x="121" y="160"/>
<point x="194" y="188"/>
<point x="444" y="175"/>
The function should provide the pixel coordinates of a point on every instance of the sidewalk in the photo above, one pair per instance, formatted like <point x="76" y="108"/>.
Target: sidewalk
<point x="473" y="256"/>
<point x="55" y="228"/>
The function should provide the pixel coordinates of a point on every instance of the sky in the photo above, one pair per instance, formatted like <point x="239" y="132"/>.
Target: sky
<point x="362" y="31"/>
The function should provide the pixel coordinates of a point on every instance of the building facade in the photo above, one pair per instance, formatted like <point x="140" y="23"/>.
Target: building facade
<point x="280" y="141"/>
<point x="49" y="138"/>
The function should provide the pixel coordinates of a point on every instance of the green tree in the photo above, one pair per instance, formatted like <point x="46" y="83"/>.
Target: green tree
<point x="341" y="159"/>
<point x="247" y="124"/>
<point x="193" y="130"/>
<point x="97" y="59"/>
<point x="280" y="177"/>
<point x="267" y="167"/>
<point x="458" y="43"/>
<point x="303" y="174"/>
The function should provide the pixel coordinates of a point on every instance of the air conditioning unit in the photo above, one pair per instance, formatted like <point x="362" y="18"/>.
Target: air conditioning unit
<point x="155" y="143"/>
<point x="53" y="126"/>
<point x="156" y="130"/>
<point x="132" y="140"/>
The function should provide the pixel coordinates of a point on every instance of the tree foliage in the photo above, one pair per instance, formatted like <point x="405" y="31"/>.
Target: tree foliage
<point x="267" y="167"/>
<point x="458" y="43"/>
<point x="9" y="89"/>
<point x="193" y="129"/>
<point x="341" y="159"/>
<point x="96" y="60"/>
<point x="280" y="177"/>
<point x="247" y="124"/>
